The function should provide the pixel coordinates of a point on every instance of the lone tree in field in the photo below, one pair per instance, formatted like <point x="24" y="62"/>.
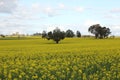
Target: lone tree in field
<point x="56" y="35"/>
<point x="99" y="31"/>
<point x="78" y="34"/>
<point x="69" y="33"/>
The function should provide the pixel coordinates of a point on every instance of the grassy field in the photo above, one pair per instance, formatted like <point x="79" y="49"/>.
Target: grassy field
<point x="72" y="59"/>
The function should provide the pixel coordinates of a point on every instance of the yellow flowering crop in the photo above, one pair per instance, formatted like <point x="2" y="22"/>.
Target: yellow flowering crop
<point x="72" y="59"/>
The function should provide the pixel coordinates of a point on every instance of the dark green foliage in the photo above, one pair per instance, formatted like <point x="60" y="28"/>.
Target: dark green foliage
<point x="98" y="31"/>
<point x="37" y="34"/>
<point x="56" y="35"/>
<point x="44" y="34"/>
<point x="78" y="34"/>
<point x="49" y="35"/>
<point x="69" y="33"/>
<point x="2" y="35"/>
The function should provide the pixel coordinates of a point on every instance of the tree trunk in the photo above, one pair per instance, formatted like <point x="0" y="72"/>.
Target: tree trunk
<point x="57" y="42"/>
<point x="96" y="36"/>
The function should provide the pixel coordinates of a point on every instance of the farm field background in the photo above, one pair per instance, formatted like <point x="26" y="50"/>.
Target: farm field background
<point x="71" y="59"/>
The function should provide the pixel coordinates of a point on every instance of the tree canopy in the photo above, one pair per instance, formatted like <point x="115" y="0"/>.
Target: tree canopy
<point x="44" y="34"/>
<point x="99" y="31"/>
<point x="69" y="33"/>
<point x="56" y="35"/>
<point x="78" y="34"/>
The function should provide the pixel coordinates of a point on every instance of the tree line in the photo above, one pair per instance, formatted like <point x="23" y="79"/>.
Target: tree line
<point x="57" y="34"/>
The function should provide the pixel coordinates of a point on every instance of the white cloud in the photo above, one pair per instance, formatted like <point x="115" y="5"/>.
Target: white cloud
<point x="8" y="6"/>
<point x="112" y="16"/>
<point x="1" y="3"/>
<point x="115" y="10"/>
<point x="36" y="7"/>
<point x="61" y="6"/>
<point x="50" y="28"/>
<point x="10" y="27"/>
<point x="47" y="10"/>
<point x="79" y="9"/>
<point x="53" y="26"/>
<point x="91" y="22"/>
<point x="115" y="29"/>
<point x="24" y="13"/>
<point x="50" y="11"/>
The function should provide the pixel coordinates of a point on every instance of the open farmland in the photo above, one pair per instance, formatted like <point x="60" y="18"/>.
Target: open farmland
<point x="72" y="59"/>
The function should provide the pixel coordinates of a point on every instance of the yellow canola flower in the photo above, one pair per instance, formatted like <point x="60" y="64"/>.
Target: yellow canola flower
<point x="5" y="66"/>
<point x="20" y="76"/>
<point x="35" y="77"/>
<point x="68" y="69"/>
<point x="9" y="76"/>
<point x="80" y="71"/>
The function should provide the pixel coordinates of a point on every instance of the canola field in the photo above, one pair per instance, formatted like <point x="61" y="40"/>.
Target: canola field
<point x="71" y="59"/>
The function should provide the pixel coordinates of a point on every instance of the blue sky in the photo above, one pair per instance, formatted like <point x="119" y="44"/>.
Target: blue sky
<point x="30" y="16"/>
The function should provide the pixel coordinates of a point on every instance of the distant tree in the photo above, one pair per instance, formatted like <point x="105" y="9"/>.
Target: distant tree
<point x="69" y="33"/>
<point x="44" y="34"/>
<point x="49" y="35"/>
<point x="105" y="32"/>
<point x="3" y="36"/>
<point x="56" y="35"/>
<point x="95" y="29"/>
<point x="99" y="31"/>
<point x="37" y="34"/>
<point x="78" y="34"/>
